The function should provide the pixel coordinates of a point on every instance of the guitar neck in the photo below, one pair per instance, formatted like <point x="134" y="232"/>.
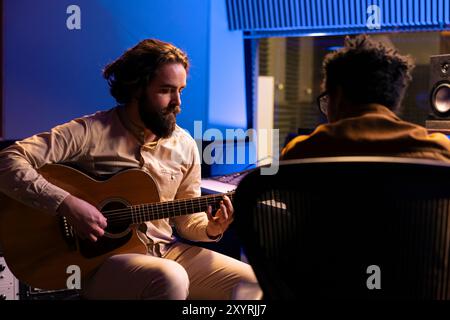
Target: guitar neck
<point x="153" y="211"/>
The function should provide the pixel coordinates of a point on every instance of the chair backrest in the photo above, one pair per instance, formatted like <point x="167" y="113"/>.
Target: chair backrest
<point x="348" y="227"/>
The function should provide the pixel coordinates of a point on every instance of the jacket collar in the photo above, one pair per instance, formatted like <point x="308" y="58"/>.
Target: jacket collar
<point x="369" y="108"/>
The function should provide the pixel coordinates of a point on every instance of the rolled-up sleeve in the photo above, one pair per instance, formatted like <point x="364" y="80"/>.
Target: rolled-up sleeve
<point x="193" y="226"/>
<point x="19" y="162"/>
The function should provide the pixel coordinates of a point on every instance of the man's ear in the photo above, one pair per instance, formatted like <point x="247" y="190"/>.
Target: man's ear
<point x="336" y="103"/>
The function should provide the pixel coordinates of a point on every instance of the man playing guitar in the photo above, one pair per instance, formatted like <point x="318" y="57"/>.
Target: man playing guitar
<point x="139" y="134"/>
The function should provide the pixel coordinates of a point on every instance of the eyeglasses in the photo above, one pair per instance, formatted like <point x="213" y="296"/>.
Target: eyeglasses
<point x="322" y="102"/>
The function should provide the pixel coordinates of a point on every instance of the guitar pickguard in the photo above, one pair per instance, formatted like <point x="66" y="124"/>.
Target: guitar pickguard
<point x="117" y="233"/>
<point x="89" y="249"/>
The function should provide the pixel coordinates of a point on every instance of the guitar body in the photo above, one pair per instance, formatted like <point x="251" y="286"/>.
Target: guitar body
<point x="39" y="247"/>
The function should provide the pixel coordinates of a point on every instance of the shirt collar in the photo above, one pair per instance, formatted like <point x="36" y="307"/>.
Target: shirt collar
<point x="135" y="130"/>
<point x="369" y="108"/>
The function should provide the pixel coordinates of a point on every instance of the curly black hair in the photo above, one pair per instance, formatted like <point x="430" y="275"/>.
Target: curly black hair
<point x="137" y="66"/>
<point x="368" y="72"/>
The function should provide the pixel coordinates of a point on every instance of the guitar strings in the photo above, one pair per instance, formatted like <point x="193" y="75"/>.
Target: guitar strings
<point x="156" y="213"/>
<point x="172" y="202"/>
<point x="159" y="210"/>
<point x="139" y="216"/>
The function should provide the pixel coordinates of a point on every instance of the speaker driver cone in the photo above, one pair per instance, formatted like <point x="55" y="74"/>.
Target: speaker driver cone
<point x="440" y="99"/>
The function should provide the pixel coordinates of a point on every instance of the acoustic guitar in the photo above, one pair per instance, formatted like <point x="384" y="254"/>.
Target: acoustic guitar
<point x="39" y="248"/>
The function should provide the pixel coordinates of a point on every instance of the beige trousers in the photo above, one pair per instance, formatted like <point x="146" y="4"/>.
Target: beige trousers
<point x="185" y="272"/>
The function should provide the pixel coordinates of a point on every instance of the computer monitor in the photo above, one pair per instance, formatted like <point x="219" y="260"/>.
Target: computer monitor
<point x="222" y="157"/>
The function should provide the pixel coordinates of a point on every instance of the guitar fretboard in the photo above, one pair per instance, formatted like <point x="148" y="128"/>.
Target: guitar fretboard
<point x="154" y="211"/>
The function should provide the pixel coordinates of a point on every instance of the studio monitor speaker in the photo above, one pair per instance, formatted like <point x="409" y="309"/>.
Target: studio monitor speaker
<point x="439" y="118"/>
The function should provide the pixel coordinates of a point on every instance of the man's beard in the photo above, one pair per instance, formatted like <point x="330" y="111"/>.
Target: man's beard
<point x="160" y="121"/>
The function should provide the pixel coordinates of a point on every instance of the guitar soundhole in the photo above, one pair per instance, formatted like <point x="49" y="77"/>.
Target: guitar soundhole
<point x="117" y="217"/>
<point x="116" y="233"/>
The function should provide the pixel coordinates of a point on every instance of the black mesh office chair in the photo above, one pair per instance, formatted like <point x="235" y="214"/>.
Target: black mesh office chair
<point x="350" y="227"/>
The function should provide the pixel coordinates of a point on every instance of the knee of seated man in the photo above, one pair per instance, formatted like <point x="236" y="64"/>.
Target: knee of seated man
<point x="169" y="281"/>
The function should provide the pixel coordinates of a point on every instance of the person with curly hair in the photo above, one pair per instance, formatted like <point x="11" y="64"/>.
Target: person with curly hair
<point x="363" y="86"/>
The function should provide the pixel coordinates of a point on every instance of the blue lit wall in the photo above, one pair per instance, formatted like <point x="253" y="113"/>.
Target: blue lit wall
<point x="52" y="74"/>
<point x="226" y="72"/>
